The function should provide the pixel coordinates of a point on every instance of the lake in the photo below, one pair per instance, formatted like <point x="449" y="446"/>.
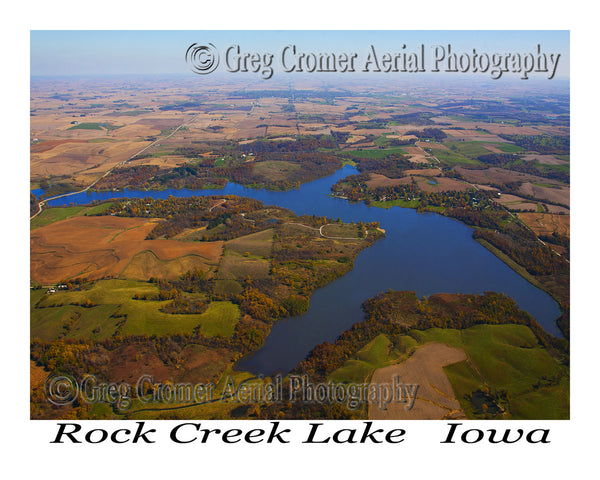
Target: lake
<point x="423" y="252"/>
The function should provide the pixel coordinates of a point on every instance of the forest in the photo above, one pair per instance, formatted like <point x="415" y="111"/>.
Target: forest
<point x="537" y="258"/>
<point x="429" y="133"/>
<point x="33" y="204"/>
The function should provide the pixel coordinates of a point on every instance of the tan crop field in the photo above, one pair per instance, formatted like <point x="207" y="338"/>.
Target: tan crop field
<point x="313" y="130"/>
<point x="560" y="195"/>
<point x="432" y="145"/>
<point x="281" y="130"/>
<point x="134" y="131"/>
<point x="257" y="244"/>
<point x="95" y="247"/>
<point x="235" y="266"/>
<point x="378" y="180"/>
<point x="500" y="129"/>
<point x="435" y="399"/>
<point x="428" y="179"/>
<point x="340" y="231"/>
<point x="473" y="136"/>
<point x="276" y="170"/>
<point x="513" y="202"/>
<point x="486" y="187"/>
<point x="498" y="175"/>
<point x="50" y="144"/>
<point x="441" y="184"/>
<point x="556" y="208"/>
<point x="416" y="154"/>
<point x="247" y="256"/>
<point x="316" y="108"/>
<point x="147" y="264"/>
<point x="79" y="157"/>
<point x="544" y="159"/>
<point x="424" y="172"/>
<point x="161" y="123"/>
<point x="547" y="223"/>
<point x="166" y="161"/>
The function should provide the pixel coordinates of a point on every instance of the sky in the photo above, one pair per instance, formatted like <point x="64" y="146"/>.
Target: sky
<point x="110" y="52"/>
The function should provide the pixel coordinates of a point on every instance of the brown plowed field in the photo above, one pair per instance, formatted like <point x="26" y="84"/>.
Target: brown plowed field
<point x="501" y="175"/>
<point x="378" y="180"/>
<point x="95" y="247"/>
<point x="560" y="195"/>
<point x="544" y="159"/>
<point x="68" y="158"/>
<point x="513" y="202"/>
<point x="442" y="184"/>
<point x="547" y="223"/>
<point x="435" y="397"/>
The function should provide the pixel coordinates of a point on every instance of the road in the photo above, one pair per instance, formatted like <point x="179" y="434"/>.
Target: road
<point x="217" y="204"/>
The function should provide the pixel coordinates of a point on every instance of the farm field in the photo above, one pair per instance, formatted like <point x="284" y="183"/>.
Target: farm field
<point x="450" y="365"/>
<point x="547" y="223"/>
<point x="435" y="398"/>
<point x="97" y="247"/>
<point x="52" y="215"/>
<point x="113" y="309"/>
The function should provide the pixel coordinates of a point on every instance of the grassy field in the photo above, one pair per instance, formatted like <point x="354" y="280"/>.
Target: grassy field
<point x="115" y="310"/>
<point x="55" y="214"/>
<point x="220" y="406"/>
<point x="376" y="153"/>
<point x="344" y="230"/>
<point x="276" y="170"/>
<point x="235" y="266"/>
<point x="146" y="264"/>
<point x="94" y="126"/>
<point x="507" y="147"/>
<point x="52" y="215"/>
<point x="499" y="358"/>
<point x="451" y="157"/>
<point x="101" y="140"/>
<point x="374" y="355"/>
<point x="247" y="256"/>
<point x="467" y="152"/>
<point x="397" y="203"/>
<point x="86" y="126"/>
<point x="228" y="287"/>
<point x="256" y="244"/>
<point x="132" y="113"/>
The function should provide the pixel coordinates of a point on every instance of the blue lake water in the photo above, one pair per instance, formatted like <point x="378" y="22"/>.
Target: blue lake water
<point x="426" y="253"/>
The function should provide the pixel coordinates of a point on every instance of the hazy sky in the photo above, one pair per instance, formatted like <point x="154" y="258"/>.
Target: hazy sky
<point x="147" y="52"/>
